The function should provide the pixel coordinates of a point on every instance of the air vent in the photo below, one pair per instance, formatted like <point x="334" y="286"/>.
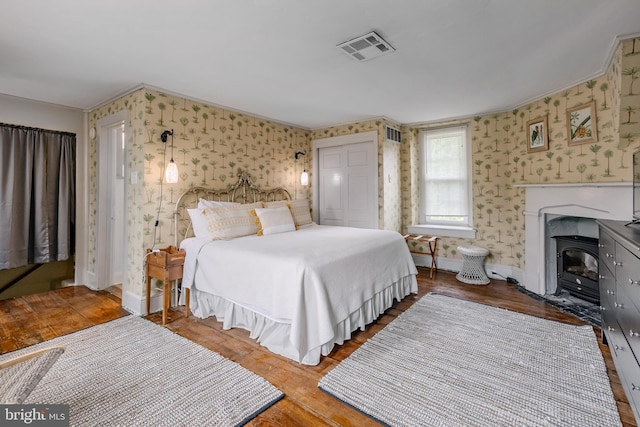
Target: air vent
<point x="366" y="47"/>
<point x="393" y="134"/>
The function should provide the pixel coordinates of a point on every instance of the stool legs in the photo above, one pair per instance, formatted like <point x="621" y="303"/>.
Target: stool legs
<point x="472" y="271"/>
<point x="187" y="300"/>
<point x="166" y="300"/>
<point x="432" y="241"/>
<point x="148" y="292"/>
<point x="433" y="257"/>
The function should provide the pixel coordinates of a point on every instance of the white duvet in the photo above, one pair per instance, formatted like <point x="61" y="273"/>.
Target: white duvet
<point x="312" y="278"/>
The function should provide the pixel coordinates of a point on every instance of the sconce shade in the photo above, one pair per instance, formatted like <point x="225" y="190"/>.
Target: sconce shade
<point x="171" y="173"/>
<point x="304" y="178"/>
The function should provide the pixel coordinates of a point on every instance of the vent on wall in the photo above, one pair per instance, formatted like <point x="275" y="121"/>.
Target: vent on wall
<point x="366" y="47"/>
<point x="393" y="134"/>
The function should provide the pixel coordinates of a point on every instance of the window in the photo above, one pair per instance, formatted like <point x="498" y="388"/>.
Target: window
<point x="445" y="172"/>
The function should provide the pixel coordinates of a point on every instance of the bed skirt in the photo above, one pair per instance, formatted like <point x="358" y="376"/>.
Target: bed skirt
<point x="274" y="334"/>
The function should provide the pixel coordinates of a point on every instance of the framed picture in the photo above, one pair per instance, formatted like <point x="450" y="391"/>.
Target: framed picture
<point x="537" y="135"/>
<point x="581" y="124"/>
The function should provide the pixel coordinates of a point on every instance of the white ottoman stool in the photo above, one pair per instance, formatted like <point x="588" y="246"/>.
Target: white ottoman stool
<point x="472" y="269"/>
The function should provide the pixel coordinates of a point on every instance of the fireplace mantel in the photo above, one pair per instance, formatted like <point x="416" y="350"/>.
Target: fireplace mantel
<point x="589" y="200"/>
<point x="575" y="185"/>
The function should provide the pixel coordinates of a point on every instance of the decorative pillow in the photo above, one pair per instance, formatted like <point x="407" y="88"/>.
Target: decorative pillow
<point x="273" y="220"/>
<point x="276" y="204"/>
<point x="199" y="223"/>
<point x="231" y="221"/>
<point x="203" y="204"/>
<point x="299" y="210"/>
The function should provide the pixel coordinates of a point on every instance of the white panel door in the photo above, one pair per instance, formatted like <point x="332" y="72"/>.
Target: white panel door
<point x="110" y="242"/>
<point x="118" y="198"/>
<point x="347" y="185"/>
<point x="332" y="178"/>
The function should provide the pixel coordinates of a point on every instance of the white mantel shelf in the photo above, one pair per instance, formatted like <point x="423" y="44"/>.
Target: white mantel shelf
<point x="576" y="184"/>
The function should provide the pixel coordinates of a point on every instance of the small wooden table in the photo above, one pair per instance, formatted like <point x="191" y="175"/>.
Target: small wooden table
<point x="165" y="265"/>
<point x="432" y="241"/>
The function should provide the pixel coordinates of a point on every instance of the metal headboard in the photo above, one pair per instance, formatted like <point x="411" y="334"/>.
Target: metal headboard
<point x="243" y="191"/>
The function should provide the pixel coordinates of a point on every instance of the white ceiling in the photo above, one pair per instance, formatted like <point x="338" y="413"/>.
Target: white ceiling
<point x="277" y="58"/>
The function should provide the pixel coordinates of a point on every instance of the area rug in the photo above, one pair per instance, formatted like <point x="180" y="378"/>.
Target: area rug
<point x="450" y="362"/>
<point x="133" y="372"/>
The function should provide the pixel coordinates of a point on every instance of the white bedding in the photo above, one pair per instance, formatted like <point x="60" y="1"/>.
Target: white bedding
<point x="307" y="282"/>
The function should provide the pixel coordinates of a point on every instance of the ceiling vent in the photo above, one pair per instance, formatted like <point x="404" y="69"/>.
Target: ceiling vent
<point x="366" y="47"/>
<point x="393" y="134"/>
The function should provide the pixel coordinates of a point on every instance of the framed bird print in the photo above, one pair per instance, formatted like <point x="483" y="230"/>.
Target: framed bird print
<point x="537" y="135"/>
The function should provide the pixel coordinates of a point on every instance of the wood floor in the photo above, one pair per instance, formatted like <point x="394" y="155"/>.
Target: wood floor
<point x="34" y="318"/>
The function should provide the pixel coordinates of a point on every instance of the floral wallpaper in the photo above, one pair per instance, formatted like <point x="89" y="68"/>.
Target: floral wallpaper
<point x="211" y="143"/>
<point x="134" y="105"/>
<point x="629" y="88"/>
<point x="392" y="177"/>
<point x="500" y="158"/>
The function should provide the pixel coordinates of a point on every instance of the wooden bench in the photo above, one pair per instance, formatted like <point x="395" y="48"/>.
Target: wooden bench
<point x="430" y="241"/>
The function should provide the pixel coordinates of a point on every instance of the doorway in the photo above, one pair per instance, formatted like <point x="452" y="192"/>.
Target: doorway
<point x="347" y="180"/>
<point x="111" y="193"/>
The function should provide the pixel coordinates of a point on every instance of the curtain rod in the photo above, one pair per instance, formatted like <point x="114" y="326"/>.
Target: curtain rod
<point x="59" y="132"/>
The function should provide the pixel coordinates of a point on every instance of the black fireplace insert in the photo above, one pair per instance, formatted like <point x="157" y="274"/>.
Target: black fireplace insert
<point x="577" y="258"/>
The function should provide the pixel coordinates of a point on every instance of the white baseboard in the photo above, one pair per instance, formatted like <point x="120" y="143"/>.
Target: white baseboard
<point x="137" y="304"/>
<point x="91" y="282"/>
<point x="80" y="276"/>
<point x="494" y="271"/>
<point x="67" y="282"/>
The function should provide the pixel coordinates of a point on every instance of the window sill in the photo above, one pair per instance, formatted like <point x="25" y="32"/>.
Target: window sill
<point x="443" y="231"/>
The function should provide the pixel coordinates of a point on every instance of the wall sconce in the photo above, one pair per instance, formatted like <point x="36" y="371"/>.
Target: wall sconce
<point x="304" y="177"/>
<point x="171" y="172"/>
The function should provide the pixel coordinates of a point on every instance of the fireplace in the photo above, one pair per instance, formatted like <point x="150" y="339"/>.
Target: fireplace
<point x="577" y="266"/>
<point x="592" y="200"/>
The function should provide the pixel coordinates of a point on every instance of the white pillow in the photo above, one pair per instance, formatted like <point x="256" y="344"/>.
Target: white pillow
<point x="274" y="220"/>
<point x="199" y="223"/>
<point x="231" y="221"/>
<point x="299" y="210"/>
<point x="203" y="204"/>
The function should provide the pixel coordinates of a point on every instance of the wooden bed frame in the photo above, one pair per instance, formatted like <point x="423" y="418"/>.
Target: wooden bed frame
<point x="243" y="191"/>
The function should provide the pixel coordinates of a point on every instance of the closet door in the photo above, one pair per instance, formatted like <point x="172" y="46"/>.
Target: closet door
<point x="347" y="185"/>
<point x="110" y="242"/>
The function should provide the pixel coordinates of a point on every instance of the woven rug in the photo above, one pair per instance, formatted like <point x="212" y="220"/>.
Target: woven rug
<point x="449" y="362"/>
<point x="132" y="372"/>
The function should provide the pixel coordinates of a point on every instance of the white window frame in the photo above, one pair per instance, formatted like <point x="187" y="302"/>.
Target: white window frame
<point x="444" y="228"/>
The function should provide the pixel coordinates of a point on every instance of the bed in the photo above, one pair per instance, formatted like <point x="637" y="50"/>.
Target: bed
<point x="298" y="292"/>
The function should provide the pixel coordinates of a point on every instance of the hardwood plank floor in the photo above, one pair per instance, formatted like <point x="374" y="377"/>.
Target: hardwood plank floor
<point x="34" y="318"/>
<point x="31" y="319"/>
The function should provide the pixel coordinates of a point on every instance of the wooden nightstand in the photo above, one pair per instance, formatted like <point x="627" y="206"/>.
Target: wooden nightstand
<point x="165" y="265"/>
<point x="432" y="241"/>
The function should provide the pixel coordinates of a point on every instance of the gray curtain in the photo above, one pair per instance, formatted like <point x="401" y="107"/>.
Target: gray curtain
<point x="37" y="195"/>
